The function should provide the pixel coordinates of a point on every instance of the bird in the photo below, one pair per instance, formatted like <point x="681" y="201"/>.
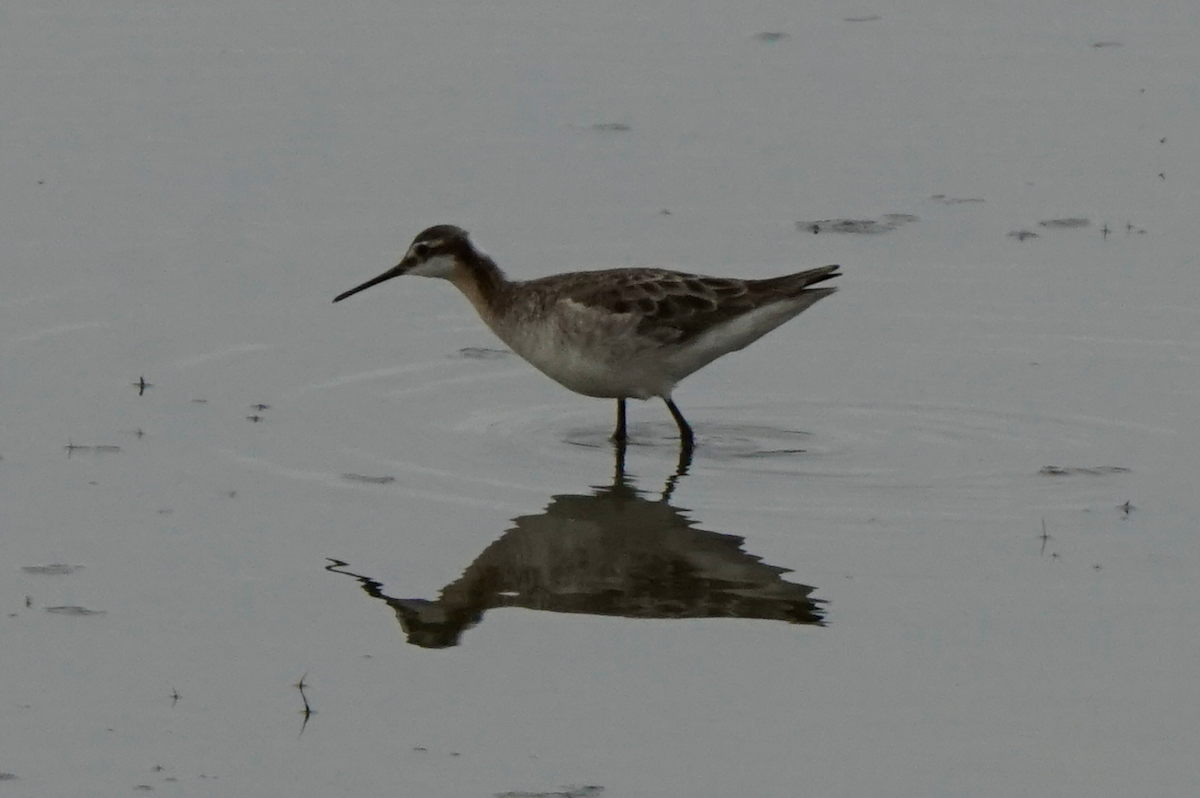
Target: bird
<point x="631" y="333"/>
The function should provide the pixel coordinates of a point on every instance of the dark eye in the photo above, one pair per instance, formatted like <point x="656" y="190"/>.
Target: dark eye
<point x="420" y="250"/>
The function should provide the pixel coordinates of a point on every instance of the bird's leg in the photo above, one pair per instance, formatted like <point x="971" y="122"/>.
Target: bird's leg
<point x="619" y="464"/>
<point x="687" y="441"/>
<point x="619" y="435"/>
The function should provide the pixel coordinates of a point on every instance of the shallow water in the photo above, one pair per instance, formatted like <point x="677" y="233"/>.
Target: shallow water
<point x="938" y="534"/>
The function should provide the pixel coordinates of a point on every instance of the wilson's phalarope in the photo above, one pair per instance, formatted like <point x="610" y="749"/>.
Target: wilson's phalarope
<point x="618" y="333"/>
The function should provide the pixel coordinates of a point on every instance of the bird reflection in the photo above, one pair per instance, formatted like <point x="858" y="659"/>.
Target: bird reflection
<point x="613" y="552"/>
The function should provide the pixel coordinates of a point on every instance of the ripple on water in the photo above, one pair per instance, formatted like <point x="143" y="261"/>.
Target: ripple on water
<point x="959" y="442"/>
<point x="944" y="458"/>
<point x="461" y="421"/>
<point x="714" y="441"/>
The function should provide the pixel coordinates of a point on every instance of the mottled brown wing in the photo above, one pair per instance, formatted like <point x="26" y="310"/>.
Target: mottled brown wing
<point x="676" y="307"/>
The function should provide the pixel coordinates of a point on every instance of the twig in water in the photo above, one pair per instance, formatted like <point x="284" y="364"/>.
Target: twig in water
<point x="308" y="710"/>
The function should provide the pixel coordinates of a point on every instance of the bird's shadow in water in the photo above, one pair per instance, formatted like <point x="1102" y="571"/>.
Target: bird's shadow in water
<point x="614" y="552"/>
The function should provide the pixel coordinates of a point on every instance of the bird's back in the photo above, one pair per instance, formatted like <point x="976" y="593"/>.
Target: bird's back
<point x="674" y="307"/>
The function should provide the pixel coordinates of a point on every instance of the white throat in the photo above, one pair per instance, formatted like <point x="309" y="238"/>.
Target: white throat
<point x="437" y="266"/>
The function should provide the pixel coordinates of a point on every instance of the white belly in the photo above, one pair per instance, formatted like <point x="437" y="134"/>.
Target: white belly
<point x="606" y="361"/>
<point x="601" y="354"/>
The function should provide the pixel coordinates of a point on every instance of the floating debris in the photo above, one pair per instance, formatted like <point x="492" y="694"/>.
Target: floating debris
<point x="872" y="18"/>
<point x="942" y="198"/>
<point x="483" y="353"/>
<point x="1044" y="537"/>
<point x="1067" y="223"/>
<point x="78" y="612"/>
<point x="611" y="127"/>
<point x="772" y="36"/>
<point x="1106" y="44"/>
<point x="307" y="711"/>
<point x="141" y="385"/>
<point x="54" y="569"/>
<point x="886" y="224"/>
<point x="579" y="791"/>
<point x="260" y="407"/>
<point x="369" y="480"/>
<point x="1021" y="235"/>
<point x="1061" y="471"/>
<point x="72" y="448"/>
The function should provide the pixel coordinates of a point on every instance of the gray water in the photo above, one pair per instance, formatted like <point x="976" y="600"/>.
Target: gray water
<point x="938" y="535"/>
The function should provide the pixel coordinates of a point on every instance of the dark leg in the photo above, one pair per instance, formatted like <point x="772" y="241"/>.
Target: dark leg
<point x="619" y="472"/>
<point x="687" y="441"/>
<point x="619" y="433"/>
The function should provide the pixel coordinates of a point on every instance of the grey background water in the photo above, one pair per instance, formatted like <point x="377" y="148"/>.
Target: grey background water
<point x="187" y="186"/>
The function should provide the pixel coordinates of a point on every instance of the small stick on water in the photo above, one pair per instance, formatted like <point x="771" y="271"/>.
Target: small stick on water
<point x="308" y="710"/>
<point x="174" y="696"/>
<point x="1044" y="536"/>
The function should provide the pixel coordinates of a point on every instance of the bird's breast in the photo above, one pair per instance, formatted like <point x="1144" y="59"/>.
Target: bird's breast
<point x="589" y="352"/>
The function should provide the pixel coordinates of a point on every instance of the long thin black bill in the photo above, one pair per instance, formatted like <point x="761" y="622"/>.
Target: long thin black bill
<point x="389" y="274"/>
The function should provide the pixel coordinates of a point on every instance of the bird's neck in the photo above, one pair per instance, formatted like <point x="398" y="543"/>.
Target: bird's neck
<point x="482" y="282"/>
